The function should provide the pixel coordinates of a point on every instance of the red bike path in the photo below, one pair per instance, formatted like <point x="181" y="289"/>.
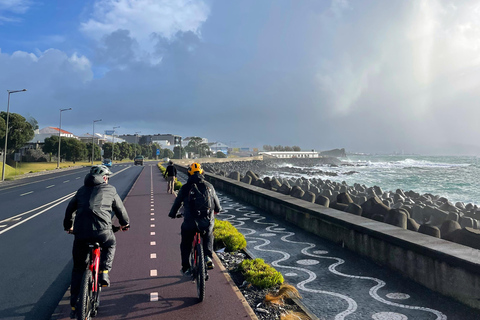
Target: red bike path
<point x="145" y="280"/>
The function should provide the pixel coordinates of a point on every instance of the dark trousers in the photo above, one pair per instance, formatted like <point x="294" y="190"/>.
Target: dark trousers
<point x="80" y="251"/>
<point x="188" y="231"/>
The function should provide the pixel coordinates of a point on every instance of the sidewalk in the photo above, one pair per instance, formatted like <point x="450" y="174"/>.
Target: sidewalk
<point x="146" y="279"/>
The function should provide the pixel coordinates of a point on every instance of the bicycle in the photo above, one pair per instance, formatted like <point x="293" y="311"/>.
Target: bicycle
<point x="89" y="296"/>
<point x="198" y="266"/>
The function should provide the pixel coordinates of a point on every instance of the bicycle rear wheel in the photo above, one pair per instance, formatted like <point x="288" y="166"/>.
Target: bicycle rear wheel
<point x="201" y="272"/>
<point x="84" y="304"/>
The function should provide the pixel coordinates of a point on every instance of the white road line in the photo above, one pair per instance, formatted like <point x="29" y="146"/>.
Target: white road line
<point x="65" y="198"/>
<point x="152" y="213"/>
<point x="153" y="296"/>
<point x="153" y="256"/>
<point x="66" y="181"/>
<point x="151" y="209"/>
<point x="152" y="226"/>
<point x="50" y="186"/>
<point x="24" y="194"/>
<point x="153" y="273"/>
<point x="3" y="226"/>
<point x="153" y="243"/>
<point x="152" y="219"/>
<point x="77" y="178"/>
<point x="152" y="233"/>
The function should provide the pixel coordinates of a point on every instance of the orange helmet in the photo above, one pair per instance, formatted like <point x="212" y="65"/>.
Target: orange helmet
<point x="195" y="167"/>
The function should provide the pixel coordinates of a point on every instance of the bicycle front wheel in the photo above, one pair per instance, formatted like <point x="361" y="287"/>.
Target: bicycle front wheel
<point x="201" y="272"/>
<point x="84" y="304"/>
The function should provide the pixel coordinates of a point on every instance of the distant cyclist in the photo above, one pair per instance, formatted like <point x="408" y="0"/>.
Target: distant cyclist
<point x="89" y="217"/>
<point x="189" y="225"/>
<point x="171" y="175"/>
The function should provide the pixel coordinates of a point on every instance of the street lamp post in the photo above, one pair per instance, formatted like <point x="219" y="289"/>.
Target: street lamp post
<point x="113" y="143"/>
<point x="93" y="136"/>
<point x="60" y="136"/>
<point x="136" y="138"/>
<point x="6" y="131"/>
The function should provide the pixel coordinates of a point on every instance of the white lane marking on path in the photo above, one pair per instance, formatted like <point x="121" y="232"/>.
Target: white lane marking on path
<point x="153" y="243"/>
<point x="153" y="296"/>
<point x="66" y="181"/>
<point x="153" y="273"/>
<point x="152" y="233"/>
<point x="152" y="219"/>
<point x="50" y="186"/>
<point x="152" y="213"/>
<point x="152" y="226"/>
<point x="77" y="178"/>
<point x="24" y="194"/>
<point x="153" y="256"/>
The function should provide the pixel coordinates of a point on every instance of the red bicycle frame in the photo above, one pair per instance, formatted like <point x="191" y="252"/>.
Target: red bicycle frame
<point x="94" y="266"/>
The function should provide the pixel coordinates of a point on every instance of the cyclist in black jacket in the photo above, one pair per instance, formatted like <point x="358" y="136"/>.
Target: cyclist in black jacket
<point x="171" y="175"/>
<point x="89" y="217"/>
<point x="189" y="227"/>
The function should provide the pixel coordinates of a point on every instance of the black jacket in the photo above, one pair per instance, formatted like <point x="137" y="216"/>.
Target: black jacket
<point x="171" y="171"/>
<point x="183" y="195"/>
<point x="91" y="209"/>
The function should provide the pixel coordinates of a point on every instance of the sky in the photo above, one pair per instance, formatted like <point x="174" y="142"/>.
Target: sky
<point x="367" y="76"/>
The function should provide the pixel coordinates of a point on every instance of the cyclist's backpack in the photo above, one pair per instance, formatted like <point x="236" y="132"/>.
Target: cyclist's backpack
<point x="201" y="205"/>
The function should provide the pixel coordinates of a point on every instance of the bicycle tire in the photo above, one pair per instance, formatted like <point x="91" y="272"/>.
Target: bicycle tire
<point x="201" y="272"/>
<point x="84" y="303"/>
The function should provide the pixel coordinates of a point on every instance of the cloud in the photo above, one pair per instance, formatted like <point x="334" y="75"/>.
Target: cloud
<point x="146" y="21"/>
<point x="9" y="7"/>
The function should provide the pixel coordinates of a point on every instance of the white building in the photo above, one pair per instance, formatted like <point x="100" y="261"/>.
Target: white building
<point x="289" y="154"/>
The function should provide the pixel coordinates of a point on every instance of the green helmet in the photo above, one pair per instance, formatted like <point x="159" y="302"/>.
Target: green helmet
<point x="100" y="170"/>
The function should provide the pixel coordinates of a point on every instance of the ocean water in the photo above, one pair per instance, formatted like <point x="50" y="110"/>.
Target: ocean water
<point x="453" y="177"/>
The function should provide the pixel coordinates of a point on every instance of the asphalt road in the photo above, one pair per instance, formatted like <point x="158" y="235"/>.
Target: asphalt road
<point x="35" y="252"/>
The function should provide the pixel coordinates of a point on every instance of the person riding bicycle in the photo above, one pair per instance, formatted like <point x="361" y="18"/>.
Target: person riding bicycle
<point x="170" y="175"/>
<point x="89" y="217"/>
<point x="189" y="225"/>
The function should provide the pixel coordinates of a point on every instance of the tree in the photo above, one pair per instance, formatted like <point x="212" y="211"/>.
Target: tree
<point x="167" y="153"/>
<point x="51" y="145"/>
<point x="203" y="149"/>
<point x="193" y="145"/>
<point x="287" y="148"/>
<point x="220" y="154"/>
<point x="296" y="148"/>
<point x="73" y="149"/>
<point x="176" y="152"/>
<point x="97" y="153"/>
<point x="19" y="132"/>
<point x="124" y="150"/>
<point x="107" y="150"/>
<point x="33" y="122"/>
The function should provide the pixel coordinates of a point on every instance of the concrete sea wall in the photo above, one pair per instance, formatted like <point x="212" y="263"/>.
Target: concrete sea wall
<point x="443" y="266"/>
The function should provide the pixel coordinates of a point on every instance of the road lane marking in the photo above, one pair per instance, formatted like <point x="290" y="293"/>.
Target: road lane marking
<point x="153" y="256"/>
<point x="152" y="226"/>
<point x="153" y="296"/>
<point x="58" y="201"/>
<point x="77" y="178"/>
<point x="152" y="213"/>
<point x="50" y="186"/>
<point x="153" y="273"/>
<point x="152" y="219"/>
<point x="24" y="194"/>
<point x="152" y="233"/>
<point x="66" y="181"/>
<point x="153" y="243"/>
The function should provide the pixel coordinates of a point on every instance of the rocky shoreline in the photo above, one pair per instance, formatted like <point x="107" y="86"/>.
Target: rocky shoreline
<point x="425" y="213"/>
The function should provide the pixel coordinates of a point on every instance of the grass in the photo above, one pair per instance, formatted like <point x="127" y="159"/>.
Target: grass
<point x="31" y="167"/>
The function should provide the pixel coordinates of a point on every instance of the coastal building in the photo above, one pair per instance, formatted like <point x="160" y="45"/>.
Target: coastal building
<point x="288" y="154"/>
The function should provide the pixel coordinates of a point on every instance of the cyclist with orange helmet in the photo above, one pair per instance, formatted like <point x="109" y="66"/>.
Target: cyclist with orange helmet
<point x="190" y="223"/>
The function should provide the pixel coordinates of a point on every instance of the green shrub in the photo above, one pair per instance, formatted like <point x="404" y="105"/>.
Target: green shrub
<point x="227" y="235"/>
<point x="177" y="185"/>
<point x="162" y="168"/>
<point x="260" y="274"/>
